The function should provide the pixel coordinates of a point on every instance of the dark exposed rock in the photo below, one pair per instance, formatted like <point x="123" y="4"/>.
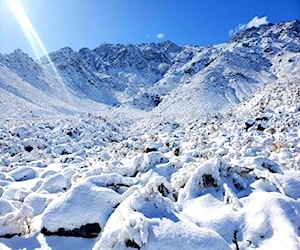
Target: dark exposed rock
<point x="28" y="148"/>
<point x="131" y="243"/>
<point x="90" y="230"/>
<point x="163" y="190"/>
<point x="261" y="118"/>
<point x="260" y="127"/>
<point x="148" y="150"/>
<point x="209" y="181"/>
<point x="119" y="188"/>
<point x="8" y="236"/>
<point x="69" y="133"/>
<point x="177" y="151"/>
<point x="248" y="124"/>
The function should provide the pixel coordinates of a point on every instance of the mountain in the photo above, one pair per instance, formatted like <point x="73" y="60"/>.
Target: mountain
<point x="162" y="78"/>
<point x="153" y="146"/>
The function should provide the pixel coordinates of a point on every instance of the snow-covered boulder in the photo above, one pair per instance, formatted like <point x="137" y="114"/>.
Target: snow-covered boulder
<point x="23" y="173"/>
<point x="82" y="211"/>
<point x="147" y="219"/>
<point x="55" y="183"/>
<point x="38" y="202"/>
<point x="15" y="218"/>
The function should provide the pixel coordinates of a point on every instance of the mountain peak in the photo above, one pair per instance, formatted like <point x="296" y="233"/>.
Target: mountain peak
<point x="272" y="30"/>
<point x="16" y="57"/>
<point x="164" y="75"/>
<point x="19" y="52"/>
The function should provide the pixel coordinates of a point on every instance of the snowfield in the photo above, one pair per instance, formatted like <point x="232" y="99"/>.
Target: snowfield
<point x="144" y="176"/>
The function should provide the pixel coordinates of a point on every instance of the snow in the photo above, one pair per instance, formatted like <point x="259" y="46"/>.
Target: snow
<point x="22" y="174"/>
<point x="184" y="235"/>
<point x="14" y="218"/>
<point x="74" y="203"/>
<point x="186" y="147"/>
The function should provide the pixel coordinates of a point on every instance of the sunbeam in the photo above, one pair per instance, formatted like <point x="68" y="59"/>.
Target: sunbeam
<point x="35" y="42"/>
<point x="27" y="27"/>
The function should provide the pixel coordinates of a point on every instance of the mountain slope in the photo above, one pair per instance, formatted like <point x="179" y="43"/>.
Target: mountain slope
<point x="227" y="74"/>
<point x="230" y="181"/>
<point x="116" y="177"/>
<point x="162" y="77"/>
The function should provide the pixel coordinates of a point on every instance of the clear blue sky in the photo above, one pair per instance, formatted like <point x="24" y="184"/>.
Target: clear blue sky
<point x="88" y="23"/>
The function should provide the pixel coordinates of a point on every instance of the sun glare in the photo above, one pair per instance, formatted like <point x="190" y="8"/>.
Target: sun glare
<point x="27" y="27"/>
<point x="35" y="42"/>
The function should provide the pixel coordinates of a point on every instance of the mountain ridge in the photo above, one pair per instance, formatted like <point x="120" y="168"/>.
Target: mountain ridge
<point x="159" y="165"/>
<point x="162" y="77"/>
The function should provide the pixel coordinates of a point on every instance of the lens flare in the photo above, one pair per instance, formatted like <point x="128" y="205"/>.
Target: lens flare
<point x="27" y="27"/>
<point x="35" y="42"/>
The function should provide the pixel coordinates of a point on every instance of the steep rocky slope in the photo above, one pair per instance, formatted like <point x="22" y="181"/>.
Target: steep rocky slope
<point x="161" y="77"/>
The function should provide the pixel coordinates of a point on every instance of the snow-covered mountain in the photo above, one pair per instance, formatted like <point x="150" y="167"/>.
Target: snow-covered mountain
<point x="162" y="77"/>
<point x="113" y="148"/>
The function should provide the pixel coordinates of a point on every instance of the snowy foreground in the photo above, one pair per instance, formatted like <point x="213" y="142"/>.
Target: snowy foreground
<point x="153" y="146"/>
<point x="230" y="181"/>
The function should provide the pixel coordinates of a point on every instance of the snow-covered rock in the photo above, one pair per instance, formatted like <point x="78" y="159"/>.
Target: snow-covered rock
<point x="83" y="205"/>
<point x="15" y="218"/>
<point x="184" y="175"/>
